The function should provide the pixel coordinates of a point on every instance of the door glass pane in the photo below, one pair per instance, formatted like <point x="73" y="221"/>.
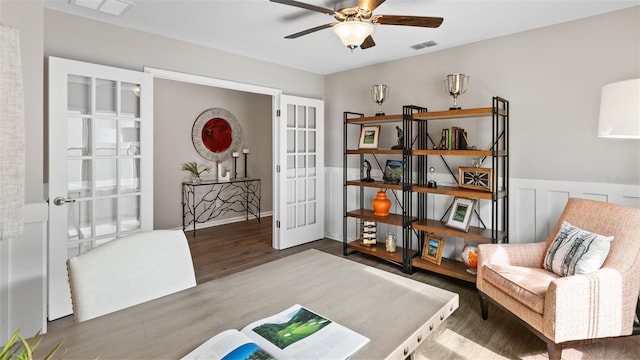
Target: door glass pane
<point x="312" y="118"/>
<point x="302" y="143"/>
<point x="311" y="213"/>
<point x="129" y="175"/>
<point x="311" y="165"/>
<point x="291" y="217"/>
<point x="291" y="141"/>
<point x="129" y="213"/>
<point x="312" y="141"/>
<point x="106" y="216"/>
<point x="130" y="98"/>
<point x="301" y="169"/>
<point x="79" y="94"/>
<point x="301" y="218"/>
<point x="301" y="191"/>
<point x="78" y="136"/>
<point x="291" y="192"/>
<point x="106" y="137"/>
<point x="129" y="137"/>
<point x="291" y="166"/>
<point x="106" y="96"/>
<point x="105" y="177"/>
<point x="302" y="117"/>
<point x="291" y="116"/>
<point x="79" y="220"/>
<point x="79" y="179"/>
<point x="311" y="194"/>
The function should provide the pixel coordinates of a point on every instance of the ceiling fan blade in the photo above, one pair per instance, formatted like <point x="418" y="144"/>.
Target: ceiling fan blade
<point x="305" y="6"/>
<point x="309" y="31"/>
<point x="423" y="21"/>
<point x="369" y="5"/>
<point x="367" y="43"/>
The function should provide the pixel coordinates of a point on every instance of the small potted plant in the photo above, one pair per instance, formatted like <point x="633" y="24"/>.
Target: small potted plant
<point x="192" y="167"/>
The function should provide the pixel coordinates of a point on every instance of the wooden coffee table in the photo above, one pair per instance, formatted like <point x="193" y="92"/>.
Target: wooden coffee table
<point x="395" y="312"/>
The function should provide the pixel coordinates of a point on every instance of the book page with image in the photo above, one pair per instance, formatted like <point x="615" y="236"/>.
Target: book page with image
<point x="299" y="333"/>
<point x="229" y="345"/>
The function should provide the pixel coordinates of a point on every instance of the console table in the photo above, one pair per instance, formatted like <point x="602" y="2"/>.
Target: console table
<point x="207" y="200"/>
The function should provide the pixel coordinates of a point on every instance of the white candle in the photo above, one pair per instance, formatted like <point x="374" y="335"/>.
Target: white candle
<point x="235" y="154"/>
<point x="245" y="151"/>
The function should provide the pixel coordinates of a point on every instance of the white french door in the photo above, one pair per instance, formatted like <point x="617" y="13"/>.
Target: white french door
<point x="100" y="163"/>
<point x="300" y="180"/>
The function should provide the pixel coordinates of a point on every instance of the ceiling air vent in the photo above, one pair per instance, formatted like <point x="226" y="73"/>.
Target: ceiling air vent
<point x="424" y="45"/>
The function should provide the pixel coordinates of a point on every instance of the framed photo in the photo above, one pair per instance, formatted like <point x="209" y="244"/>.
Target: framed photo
<point x="460" y="214"/>
<point x="476" y="178"/>
<point x="432" y="248"/>
<point x="369" y="136"/>
<point x="393" y="171"/>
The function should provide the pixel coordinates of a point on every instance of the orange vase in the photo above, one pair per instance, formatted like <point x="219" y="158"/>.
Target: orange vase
<point x="381" y="204"/>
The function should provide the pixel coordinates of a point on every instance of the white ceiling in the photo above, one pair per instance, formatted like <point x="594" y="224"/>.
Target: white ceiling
<point x="256" y="28"/>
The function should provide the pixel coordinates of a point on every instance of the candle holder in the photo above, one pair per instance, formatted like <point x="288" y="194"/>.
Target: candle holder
<point x="245" y="163"/>
<point x="235" y="164"/>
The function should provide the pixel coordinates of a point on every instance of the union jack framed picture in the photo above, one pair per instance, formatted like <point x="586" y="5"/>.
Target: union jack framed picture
<point x="475" y="178"/>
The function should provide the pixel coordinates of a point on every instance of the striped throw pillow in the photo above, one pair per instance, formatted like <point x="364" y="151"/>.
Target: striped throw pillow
<point x="576" y="251"/>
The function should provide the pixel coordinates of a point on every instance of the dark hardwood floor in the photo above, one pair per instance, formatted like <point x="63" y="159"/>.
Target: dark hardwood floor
<point x="222" y="250"/>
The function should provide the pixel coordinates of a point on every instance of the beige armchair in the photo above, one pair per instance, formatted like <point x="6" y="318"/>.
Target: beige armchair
<point x="567" y="310"/>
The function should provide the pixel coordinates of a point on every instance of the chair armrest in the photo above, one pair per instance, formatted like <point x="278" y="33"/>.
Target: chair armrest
<point x="586" y="306"/>
<point x="526" y="255"/>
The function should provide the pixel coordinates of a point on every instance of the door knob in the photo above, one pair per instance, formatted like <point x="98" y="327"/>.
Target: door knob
<point x="61" y="201"/>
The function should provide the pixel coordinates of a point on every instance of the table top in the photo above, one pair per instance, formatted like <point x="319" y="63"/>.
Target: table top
<point x="393" y="311"/>
<point x="215" y="181"/>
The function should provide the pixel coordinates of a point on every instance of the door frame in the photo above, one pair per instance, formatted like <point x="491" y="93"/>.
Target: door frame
<point x="256" y="89"/>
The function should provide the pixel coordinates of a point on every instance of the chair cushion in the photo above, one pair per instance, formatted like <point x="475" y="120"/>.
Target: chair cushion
<point x="576" y="251"/>
<point x="526" y="285"/>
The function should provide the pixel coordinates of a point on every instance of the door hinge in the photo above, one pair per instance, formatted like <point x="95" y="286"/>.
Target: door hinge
<point x="278" y="224"/>
<point x="277" y="168"/>
<point x="278" y="113"/>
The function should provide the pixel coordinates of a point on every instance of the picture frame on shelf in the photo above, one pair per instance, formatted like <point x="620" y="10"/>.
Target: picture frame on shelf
<point x="460" y="213"/>
<point x="476" y="178"/>
<point x="432" y="248"/>
<point x="393" y="172"/>
<point x="369" y="136"/>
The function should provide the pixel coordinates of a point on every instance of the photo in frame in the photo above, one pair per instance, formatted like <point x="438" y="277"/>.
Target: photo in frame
<point x="460" y="213"/>
<point x="369" y="136"/>
<point x="432" y="248"/>
<point x="393" y="172"/>
<point x="475" y="178"/>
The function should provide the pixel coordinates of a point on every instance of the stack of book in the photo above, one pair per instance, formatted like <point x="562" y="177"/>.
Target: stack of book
<point x="454" y="138"/>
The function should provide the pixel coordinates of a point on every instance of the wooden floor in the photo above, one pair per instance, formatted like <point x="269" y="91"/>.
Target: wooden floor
<point x="222" y="250"/>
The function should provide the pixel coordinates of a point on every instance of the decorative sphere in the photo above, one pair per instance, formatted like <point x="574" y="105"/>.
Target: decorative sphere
<point x="470" y="256"/>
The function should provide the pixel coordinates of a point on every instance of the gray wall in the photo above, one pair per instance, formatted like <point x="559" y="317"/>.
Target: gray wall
<point x="176" y="107"/>
<point x="552" y="77"/>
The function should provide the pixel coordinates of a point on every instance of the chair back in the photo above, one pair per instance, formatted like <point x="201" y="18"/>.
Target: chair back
<point x="129" y="271"/>
<point x="623" y="223"/>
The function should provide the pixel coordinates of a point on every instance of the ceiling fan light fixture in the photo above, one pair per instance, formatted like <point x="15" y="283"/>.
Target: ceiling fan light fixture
<point x="352" y="33"/>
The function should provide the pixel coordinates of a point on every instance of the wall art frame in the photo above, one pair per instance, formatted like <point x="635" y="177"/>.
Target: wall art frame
<point x="432" y="248"/>
<point x="369" y="137"/>
<point x="215" y="134"/>
<point x="460" y="213"/>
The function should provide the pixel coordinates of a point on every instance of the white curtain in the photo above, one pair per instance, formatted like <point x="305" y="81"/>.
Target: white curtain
<point x="11" y="135"/>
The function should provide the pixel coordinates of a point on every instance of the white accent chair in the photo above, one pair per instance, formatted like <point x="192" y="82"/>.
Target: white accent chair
<point x="129" y="271"/>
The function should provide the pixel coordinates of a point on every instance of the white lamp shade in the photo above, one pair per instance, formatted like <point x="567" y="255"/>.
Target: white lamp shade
<point x="620" y="110"/>
<point x="352" y="33"/>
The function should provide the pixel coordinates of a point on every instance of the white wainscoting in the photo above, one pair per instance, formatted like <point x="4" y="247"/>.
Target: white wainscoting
<point x="534" y="205"/>
<point x="23" y="276"/>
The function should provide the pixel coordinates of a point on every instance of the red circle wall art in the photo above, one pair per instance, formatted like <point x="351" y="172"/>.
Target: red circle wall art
<point x="216" y="134"/>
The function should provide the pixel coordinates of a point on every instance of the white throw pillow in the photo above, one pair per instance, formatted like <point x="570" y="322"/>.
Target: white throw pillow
<point x="576" y="251"/>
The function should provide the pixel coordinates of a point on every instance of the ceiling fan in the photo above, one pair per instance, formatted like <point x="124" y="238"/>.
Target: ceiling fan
<point x="355" y="24"/>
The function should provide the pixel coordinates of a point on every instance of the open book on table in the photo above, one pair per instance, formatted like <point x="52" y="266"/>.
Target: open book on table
<point x="295" y="333"/>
